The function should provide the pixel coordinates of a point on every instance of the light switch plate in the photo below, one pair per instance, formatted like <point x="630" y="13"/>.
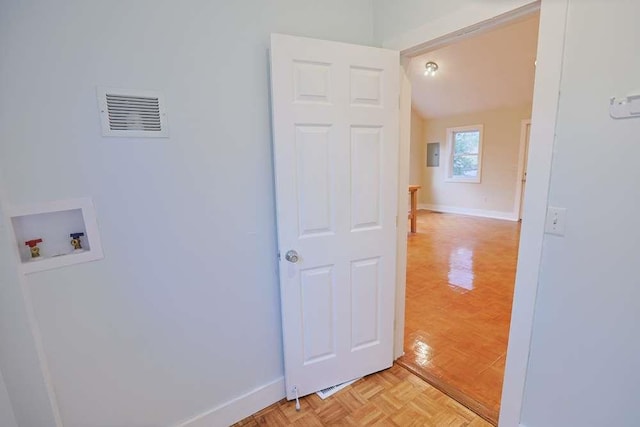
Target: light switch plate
<point x="556" y="221"/>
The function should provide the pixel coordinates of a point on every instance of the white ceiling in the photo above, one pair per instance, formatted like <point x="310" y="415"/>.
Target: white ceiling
<point x="488" y="71"/>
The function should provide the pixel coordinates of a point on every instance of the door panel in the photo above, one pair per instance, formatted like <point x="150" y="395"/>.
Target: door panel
<point x="365" y="301"/>
<point x="366" y="150"/>
<point x="319" y="327"/>
<point x="314" y="180"/>
<point x="335" y="125"/>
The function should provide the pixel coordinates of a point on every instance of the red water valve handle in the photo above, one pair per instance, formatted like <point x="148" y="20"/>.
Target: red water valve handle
<point x="32" y="243"/>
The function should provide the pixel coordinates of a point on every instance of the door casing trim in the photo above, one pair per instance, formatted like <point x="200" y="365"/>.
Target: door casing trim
<point x="553" y="18"/>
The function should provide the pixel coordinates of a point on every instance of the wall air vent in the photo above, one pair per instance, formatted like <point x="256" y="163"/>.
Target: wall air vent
<point x="132" y="113"/>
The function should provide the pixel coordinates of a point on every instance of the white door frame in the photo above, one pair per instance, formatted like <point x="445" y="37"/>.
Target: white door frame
<point x="475" y="19"/>
<point x="522" y="150"/>
<point x="403" y="201"/>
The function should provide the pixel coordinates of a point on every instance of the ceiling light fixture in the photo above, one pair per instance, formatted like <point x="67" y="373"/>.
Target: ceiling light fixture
<point x="430" y="68"/>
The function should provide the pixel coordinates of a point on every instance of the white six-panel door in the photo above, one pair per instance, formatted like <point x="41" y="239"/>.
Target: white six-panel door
<point x="335" y="124"/>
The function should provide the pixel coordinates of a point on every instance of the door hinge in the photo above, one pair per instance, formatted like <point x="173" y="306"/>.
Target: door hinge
<point x="279" y="257"/>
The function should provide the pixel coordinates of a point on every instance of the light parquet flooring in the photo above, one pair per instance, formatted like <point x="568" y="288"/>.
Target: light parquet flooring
<point x="394" y="397"/>
<point x="460" y="280"/>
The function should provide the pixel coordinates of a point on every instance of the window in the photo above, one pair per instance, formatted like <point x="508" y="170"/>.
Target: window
<point x="465" y="154"/>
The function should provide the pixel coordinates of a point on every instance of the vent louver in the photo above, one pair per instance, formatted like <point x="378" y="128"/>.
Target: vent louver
<point x="330" y="391"/>
<point x="128" y="113"/>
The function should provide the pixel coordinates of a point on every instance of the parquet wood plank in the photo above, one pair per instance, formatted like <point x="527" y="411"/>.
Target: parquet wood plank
<point x="394" y="397"/>
<point x="460" y="278"/>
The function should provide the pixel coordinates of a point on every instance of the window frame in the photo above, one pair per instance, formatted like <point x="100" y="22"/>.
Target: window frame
<point x="450" y="153"/>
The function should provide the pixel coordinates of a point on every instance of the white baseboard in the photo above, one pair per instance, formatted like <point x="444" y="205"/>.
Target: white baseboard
<point x="509" y="216"/>
<point x="239" y="408"/>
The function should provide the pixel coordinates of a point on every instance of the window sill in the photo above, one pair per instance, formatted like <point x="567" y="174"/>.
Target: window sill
<point x="463" y="180"/>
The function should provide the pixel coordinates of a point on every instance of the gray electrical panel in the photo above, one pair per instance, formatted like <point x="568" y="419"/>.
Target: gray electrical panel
<point x="433" y="154"/>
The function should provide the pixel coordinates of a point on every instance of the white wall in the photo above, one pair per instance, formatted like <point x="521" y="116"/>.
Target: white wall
<point x="7" y="418"/>
<point x="393" y="18"/>
<point x="183" y="312"/>
<point x="417" y="151"/>
<point x="584" y="368"/>
<point x="19" y="361"/>
<point x="164" y="328"/>
<point x="496" y="192"/>
<point x="402" y="24"/>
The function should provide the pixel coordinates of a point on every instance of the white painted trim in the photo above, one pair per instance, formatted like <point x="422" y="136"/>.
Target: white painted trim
<point x="483" y="17"/>
<point x="91" y="227"/>
<point x="239" y="408"/>
<point x="471" y="20"/>
<point x="551" y="41"/>
<point x="42" y="358"/>
<point x="509" y="216"/>
<point x="517" y="203"/>
<point x="448" y="166"/>
<point x="404" y="157"/>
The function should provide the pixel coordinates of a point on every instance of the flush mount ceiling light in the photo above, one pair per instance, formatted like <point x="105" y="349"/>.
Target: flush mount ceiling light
<point x="430" y="68"/>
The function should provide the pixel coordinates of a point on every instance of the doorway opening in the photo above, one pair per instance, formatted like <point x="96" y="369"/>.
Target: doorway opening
<point x="469" y="138"/>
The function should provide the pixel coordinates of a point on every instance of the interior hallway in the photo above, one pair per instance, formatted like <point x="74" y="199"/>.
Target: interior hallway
<point x="460" y="280"/>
